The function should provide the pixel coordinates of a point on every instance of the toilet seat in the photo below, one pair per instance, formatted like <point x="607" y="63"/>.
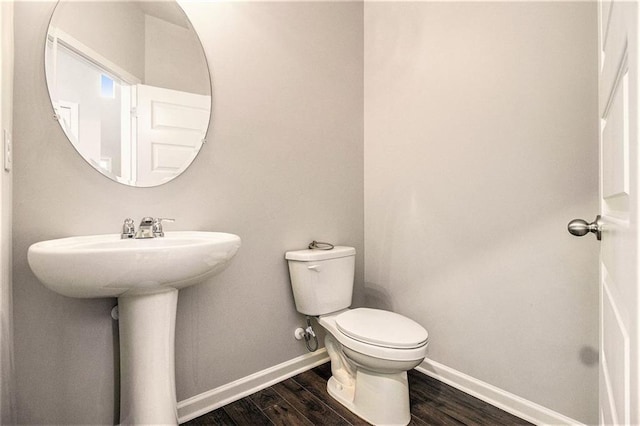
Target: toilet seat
<point x="369" y="349"/>
<point x="382" y="328"/>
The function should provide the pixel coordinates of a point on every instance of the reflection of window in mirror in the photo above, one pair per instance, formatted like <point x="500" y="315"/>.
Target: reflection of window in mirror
<point x="107" y="87"/>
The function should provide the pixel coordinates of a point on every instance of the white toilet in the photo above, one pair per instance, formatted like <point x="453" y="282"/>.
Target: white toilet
<point x="370" y="349"/>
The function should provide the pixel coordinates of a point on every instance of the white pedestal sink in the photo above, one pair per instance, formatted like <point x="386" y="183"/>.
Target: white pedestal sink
<point x="145" y="275"/>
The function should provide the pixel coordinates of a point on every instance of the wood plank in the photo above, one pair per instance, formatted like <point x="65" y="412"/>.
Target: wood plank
<point x="416" y="421"/>
<point x="266" y="398"/>
<point x="315" y="384"/>
<point x="284" y="414"/>
<point x="430" y="413"/>
<point x="307" y="404"/>
<point x="216" y="417"/>
<point x="324" y="371"/>
<point x="457" y="404"/>
<point x="245" y="412"/>
<point x="445" y="406"/>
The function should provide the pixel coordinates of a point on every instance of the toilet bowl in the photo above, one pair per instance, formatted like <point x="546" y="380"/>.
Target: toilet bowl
<point x="370" y="349"/>
<point x="369" y="362"/>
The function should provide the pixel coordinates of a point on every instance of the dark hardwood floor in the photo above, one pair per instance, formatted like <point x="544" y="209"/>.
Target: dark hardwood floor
<point x="303" y="400"/>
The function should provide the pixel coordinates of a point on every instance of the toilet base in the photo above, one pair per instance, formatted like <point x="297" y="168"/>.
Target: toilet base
<point x="380" y="399"/>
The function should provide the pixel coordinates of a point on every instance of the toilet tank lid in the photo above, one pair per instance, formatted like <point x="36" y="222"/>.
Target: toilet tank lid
<point x="310" y="255"/>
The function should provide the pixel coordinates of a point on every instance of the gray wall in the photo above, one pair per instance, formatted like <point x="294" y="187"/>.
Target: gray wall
<point x="480" y="145"/>
<point x="7" y="399"/>
<point x="283" y="165"/>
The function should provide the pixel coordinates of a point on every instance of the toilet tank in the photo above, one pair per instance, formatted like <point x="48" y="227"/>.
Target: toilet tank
<point x="322" y="280"/>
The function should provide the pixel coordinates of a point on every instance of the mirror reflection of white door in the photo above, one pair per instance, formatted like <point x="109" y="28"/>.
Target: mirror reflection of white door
<point x="170" y="124"/>
<point x="619" y="207"/>
<point x="68" y="116"/>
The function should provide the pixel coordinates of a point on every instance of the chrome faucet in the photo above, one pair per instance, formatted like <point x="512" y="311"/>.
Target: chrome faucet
<point x="144" y="230"/>
<point x="151" y="228"/>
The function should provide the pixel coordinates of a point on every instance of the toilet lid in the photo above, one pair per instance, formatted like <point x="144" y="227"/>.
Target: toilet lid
<point x="382" y="328"/>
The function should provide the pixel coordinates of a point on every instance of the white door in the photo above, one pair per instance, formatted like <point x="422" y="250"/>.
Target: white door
<point x="171" y="129"/>
<point x="619" y="208"/>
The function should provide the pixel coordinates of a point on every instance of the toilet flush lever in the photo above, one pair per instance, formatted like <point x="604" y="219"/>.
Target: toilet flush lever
<point x="314" y="268"/>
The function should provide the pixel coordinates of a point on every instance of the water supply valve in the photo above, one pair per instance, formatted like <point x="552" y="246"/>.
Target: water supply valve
<point x="309" y="332"/>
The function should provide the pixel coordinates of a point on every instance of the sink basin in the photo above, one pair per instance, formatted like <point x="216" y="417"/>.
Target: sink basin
<point x="145" y="275"/>
<point x="107" y="266"/>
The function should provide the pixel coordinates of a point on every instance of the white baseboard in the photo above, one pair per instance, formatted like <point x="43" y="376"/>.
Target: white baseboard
<point x="203" y="403"/>
<point x="497" y="397"/>
<point x="215" y="398"/>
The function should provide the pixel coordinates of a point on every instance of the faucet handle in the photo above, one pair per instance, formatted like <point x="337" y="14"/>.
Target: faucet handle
<point x="157" y="226"/>
<point x="128" y="229"/>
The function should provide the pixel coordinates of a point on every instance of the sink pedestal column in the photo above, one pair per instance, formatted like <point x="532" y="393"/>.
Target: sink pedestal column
<point x="147" y="358"/>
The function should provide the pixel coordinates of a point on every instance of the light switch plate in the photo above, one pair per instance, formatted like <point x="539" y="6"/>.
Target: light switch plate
<point x="7" y="150"/>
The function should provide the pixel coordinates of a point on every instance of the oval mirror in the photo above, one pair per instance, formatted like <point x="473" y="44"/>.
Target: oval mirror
<point x="130" y="87"/>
